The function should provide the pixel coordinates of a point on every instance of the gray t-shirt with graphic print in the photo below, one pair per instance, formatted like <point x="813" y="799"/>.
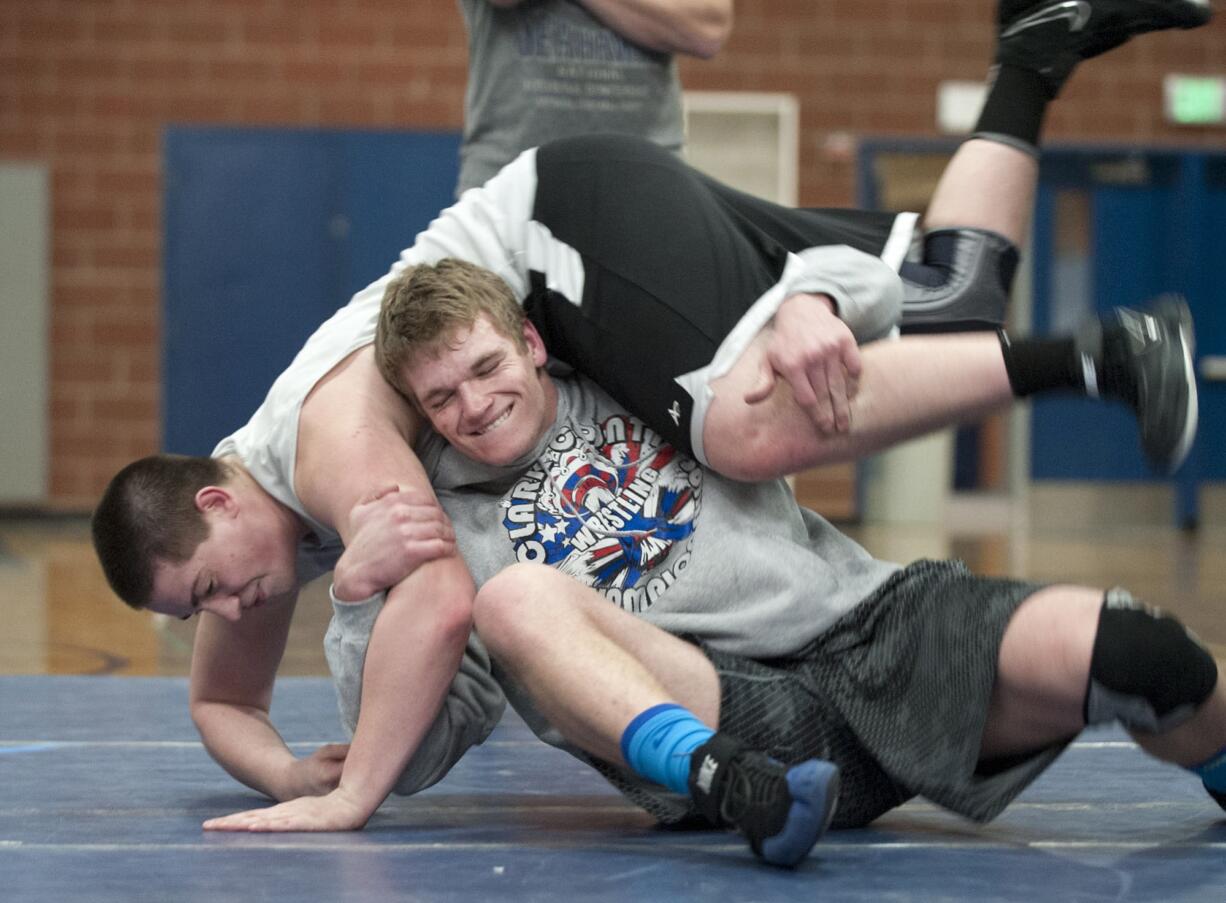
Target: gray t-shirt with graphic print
<point x="741" y="566"/>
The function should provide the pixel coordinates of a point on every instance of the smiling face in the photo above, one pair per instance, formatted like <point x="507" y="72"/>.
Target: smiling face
<point x="483" y="393"/>
<point x="247" y="558"/>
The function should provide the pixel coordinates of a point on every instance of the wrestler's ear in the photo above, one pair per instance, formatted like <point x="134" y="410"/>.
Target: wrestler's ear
<point x="536" y="345"/>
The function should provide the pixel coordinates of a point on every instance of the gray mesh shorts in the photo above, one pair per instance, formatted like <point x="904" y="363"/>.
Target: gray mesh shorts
<point x="896" y="693"/>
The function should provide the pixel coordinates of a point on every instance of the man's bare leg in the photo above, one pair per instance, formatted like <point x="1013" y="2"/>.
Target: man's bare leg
<point x="989" y="184"/>
<point x="907" y="388"/>
<point x="921" y="383"/>
<point x="986" y="185"/>
<point x="629" y="693"/>
<point x="1140" y="667"/>
<point x="978" y="216"/>
<point x="589" y="667"/>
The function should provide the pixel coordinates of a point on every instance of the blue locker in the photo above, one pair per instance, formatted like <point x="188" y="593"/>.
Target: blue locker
<point x="1154" y="218"/>
<point x="1131" y="200"/>
<point x="267" y="232"/>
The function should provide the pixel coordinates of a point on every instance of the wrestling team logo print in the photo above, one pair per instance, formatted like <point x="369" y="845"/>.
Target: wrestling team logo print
<point x="612" y="505"/>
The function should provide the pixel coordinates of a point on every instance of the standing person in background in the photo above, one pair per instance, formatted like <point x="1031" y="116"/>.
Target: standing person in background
<point x="545" y="69"/>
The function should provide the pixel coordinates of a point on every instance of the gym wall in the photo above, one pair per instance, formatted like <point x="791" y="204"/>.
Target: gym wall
<point x="88" y="90"/>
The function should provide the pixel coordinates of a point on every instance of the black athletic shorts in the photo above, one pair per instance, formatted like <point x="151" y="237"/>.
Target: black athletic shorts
<point x="672" y="261"/>
<point x="895" y="693"/>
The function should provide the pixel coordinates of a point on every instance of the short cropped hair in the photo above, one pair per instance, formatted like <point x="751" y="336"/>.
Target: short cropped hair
<point x="148" y="515"/>
<point x="424" y="305"/>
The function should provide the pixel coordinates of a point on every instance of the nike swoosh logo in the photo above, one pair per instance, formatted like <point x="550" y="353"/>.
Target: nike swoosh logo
<point x="1077" y="12"/>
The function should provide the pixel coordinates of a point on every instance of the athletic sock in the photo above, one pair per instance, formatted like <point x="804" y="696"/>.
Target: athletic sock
<point x="657" y="745"/>
<point x="1213" y="771"/>
<point x="1014" y="110"/>
<point x="1117" y="378"/>
<point x="1040" y="365"/>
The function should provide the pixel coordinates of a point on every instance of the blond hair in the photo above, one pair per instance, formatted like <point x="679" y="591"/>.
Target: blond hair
<point x="426" y="304"/>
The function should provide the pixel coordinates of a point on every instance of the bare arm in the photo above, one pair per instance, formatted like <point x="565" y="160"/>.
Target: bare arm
<point x="391" y="534"/>
<point x="233" y="666"/>
<point x="693" y="27"/>
<point x="354" y="437"/>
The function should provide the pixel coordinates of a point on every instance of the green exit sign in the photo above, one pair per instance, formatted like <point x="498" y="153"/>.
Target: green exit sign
<point x="1195" y="99"/>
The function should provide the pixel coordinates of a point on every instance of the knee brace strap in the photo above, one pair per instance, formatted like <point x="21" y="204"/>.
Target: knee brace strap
<point x="1147" y="670"/>
<point x="962" y="283"/>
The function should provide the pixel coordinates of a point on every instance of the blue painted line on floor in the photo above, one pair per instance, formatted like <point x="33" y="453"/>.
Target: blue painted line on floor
<point x="27" y="748"/>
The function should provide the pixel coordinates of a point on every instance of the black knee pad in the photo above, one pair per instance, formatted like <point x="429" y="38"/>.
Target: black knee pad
<point x="962" y="283"/>
<point x="1148" y="671"/>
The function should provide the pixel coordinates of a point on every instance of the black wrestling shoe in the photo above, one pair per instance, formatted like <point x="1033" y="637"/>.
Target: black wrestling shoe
<point x="783" y="811"/>
<point x="1144" y="358"/>
<point x="1052" y="36"/>
<point x="1219" y="797"/>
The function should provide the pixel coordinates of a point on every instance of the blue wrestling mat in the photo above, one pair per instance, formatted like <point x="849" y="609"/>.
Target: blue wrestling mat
<point x="105" y="785"/>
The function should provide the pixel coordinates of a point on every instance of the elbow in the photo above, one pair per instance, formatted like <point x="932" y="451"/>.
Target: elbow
<point x="455" y="617"/>
<point x="457" y="623"/>
<point x="196" y="710"/>
<point x="436" y="602"/>
<point x="204" y="715"/>
<point x="199" y="707"/>
<point x="705" y="49"/>
<point x="711" y="33"/>
<point x="453" y="630"/>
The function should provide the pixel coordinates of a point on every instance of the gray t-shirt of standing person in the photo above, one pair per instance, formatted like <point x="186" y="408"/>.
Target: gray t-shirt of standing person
<point x="547" y="69"/>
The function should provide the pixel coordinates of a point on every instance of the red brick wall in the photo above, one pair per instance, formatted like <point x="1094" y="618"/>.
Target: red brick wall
<point x="86" y="87"/>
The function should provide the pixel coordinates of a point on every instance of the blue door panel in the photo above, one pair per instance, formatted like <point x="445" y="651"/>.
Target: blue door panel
<point x="1075" y="438"/>
<point x="1210" y="309"/>
<point x="267" y="232"/>
<point x="249" y="273"/>
<point x="1127" y="241"/>
<point x="1148" y="237"/>
<point x="1157" y="221"/>
<point x="392" y="185"/>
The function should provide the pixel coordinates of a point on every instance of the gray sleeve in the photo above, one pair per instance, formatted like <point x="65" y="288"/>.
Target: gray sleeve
<point x="865" y="289"/>
<point x="472" y="708"/>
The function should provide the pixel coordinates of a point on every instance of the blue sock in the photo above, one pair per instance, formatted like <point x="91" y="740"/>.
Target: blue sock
<point x="657" y="745"/>
<point x="1213" y="771"/>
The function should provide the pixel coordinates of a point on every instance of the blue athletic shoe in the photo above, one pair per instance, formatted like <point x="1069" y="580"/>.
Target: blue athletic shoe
<point x="782" y="810"/>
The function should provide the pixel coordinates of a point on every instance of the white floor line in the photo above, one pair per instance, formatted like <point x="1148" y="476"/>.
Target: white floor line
<point x="16" y="745"/>
<point x="228" y="844"/>
<point x="166" y="744"/>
